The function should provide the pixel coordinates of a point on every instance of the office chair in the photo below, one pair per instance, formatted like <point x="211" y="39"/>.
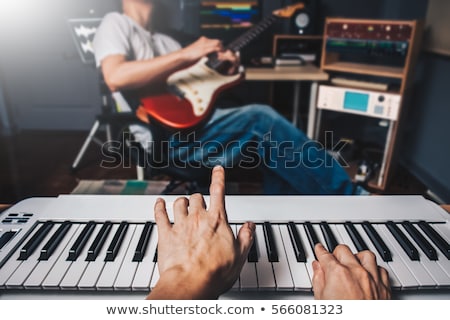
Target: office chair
<point x="117" y="124"/>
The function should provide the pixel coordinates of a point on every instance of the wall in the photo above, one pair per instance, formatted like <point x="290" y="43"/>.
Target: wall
<point x="45" y="84"/>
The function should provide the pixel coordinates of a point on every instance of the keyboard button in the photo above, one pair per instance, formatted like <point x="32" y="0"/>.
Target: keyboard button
<point x="264" y="270"/>
<point x="296" y="242"/>
<point x="378" y="242"/>
<point x="330" y="239"/>
<point x="437" y="239"/>
<point x="407" y="245"/>
<point x="99" y="241"/>
<point x="29" y="248"/>
<point x="55" y="241"/>
<point x="423" y="243"/>
<point x="356" y="237"/>
<point x="81" y="241"/>
<point x="143" y="242"/>
<point x="6" y="237"/>
<point x="270" y="242"/>
<point x="117" y="241"/>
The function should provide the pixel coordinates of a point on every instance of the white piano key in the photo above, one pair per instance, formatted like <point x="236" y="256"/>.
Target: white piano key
<point x="432" y="267"/>
<point x="155" y="277"/>
<point x="95" y="268"/>
<point x="281" y="269"/>
<point x="248" y="279"/>
<point x="77" y="268"/>
<point x="111" y="269"/>
<point x="236" y="284"/>
<point x="43" y="268"/>
<point x="126" y="273"/>
<point x="319" y="234"/>
<point x="308" y="250"/>
<point x="22" y="272"/>
<point x="145" y="269"/>
<point x="13" y="262"/>
<point x="423" y="278"/>
<point x="343" y="237"/>
<point x="59" y="269"/>
<point x="398" y="277"/>
<point x="264" y="271"/>
<point x="299" y="273"/>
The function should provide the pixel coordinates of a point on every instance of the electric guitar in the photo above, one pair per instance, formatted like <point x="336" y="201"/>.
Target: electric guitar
<point x="190" y="93"/>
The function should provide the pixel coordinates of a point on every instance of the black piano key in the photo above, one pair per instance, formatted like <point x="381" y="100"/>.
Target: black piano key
<point x="81" y="241"/>
<point x="312" y="236"/>
<point x="155" y="257"/>
<point x="143" y="242"/>
<point x="99" y="241"/>
<point x="379" y="244"/>
<point x="253" y="253"/>
<point x="423" y="243"/>
<point x="116" y="242"/>
<point x="28" y="249"/>
<point x="330" y="239"/>
<point x="6" y="237"/>
<point x="404" y="242"/>
<point x="272" y="252"/>
<point x="358" y="241"/>
<point x="437" y="239"/>
<point x="55" y="240"/>
<point x="300" y="254"/>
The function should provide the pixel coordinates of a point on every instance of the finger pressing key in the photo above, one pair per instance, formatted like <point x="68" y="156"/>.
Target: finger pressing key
<point x="217" y="192"/>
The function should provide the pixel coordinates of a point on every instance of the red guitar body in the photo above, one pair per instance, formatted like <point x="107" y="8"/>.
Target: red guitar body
<point x="196" y="89"/>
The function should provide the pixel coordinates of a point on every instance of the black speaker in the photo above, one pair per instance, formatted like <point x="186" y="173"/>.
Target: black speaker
<point x="304" y="21"/>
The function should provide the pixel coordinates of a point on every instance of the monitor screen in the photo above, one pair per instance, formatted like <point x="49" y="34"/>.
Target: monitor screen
<point x="227" y="19"/>
<point x="356" y="101"/>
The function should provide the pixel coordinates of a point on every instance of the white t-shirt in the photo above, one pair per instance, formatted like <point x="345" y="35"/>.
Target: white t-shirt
<point x="119" y="34"/>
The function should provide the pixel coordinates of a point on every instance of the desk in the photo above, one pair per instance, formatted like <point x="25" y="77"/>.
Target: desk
<point x="297" y="74"/>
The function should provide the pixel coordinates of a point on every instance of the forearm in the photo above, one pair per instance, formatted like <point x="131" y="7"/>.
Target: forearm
<point x="138" y="74"/>
<point x="180" y="285"/>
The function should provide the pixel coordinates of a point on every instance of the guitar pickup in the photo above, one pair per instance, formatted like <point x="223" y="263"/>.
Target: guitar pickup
<point x="176" y="91"/>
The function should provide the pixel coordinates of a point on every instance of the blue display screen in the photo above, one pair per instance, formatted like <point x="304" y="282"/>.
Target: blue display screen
<point x="356" y="101"/>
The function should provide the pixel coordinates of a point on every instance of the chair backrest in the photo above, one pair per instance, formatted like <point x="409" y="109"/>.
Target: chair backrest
<point x="83" y="32"/>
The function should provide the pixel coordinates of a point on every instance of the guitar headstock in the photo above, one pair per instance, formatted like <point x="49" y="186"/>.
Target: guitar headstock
<point x="288" y="11"/>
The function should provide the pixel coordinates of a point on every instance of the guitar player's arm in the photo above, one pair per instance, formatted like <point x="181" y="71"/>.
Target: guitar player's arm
<point x="121" y="74"/>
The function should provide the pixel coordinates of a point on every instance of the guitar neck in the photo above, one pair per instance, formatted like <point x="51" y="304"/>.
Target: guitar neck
<point x="251" y="34"/>
<point x="243" y="40"/>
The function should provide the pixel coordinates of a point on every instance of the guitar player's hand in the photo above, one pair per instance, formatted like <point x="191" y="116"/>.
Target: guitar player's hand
<point x="201" y="48"/>
<point x="233" y="60"/>
<point x="344" y="275"/>
<point x="198" y="256"/>
<point x="205" y="46"/>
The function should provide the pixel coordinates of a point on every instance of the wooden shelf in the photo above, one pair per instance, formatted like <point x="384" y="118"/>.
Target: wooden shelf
<point x="365" y="69"/>
<point x="357" y="63"/>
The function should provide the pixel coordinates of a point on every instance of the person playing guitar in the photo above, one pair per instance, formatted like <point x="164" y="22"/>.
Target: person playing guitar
<point x="168" y="80"/>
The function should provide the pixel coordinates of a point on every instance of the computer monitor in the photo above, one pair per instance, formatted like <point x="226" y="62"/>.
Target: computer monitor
<point x="228" y="19"/>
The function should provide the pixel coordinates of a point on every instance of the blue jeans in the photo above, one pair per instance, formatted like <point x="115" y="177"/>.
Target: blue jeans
<point x="257" y="136"/>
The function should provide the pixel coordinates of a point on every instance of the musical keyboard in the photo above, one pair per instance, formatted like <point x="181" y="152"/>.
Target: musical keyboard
<point x="107" y="245"/>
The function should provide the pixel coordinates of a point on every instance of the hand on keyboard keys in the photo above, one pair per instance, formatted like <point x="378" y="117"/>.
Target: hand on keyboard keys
<point x="343" y="275"/>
